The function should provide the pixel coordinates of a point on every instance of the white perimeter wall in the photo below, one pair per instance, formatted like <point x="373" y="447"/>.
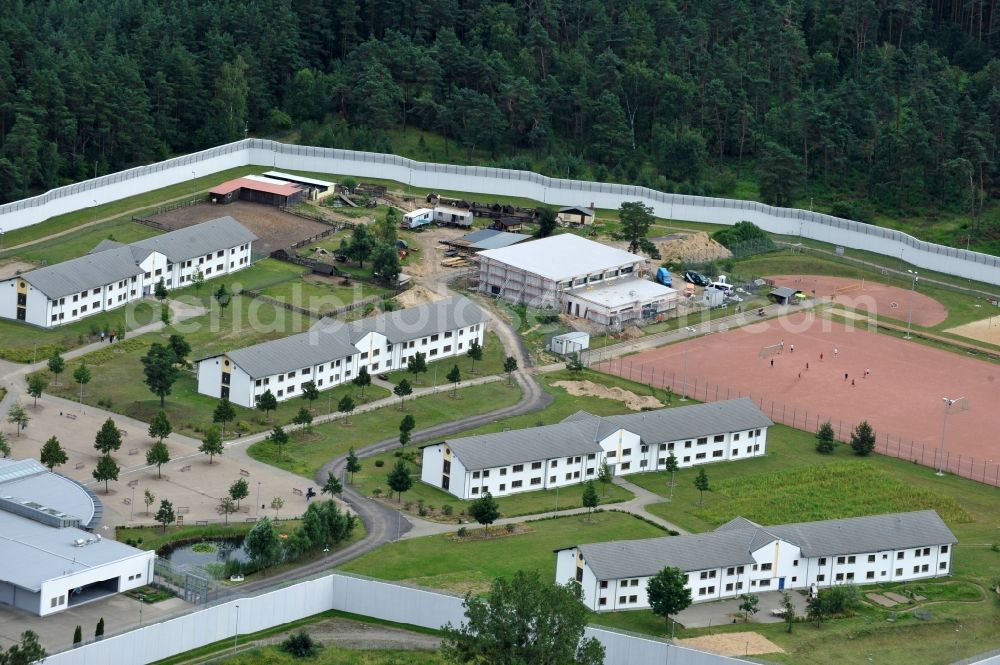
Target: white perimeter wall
<point x="789" y="221"/>
<point x="358" y="595"/>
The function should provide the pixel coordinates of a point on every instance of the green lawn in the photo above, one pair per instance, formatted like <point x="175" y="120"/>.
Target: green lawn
<point x="334" y="655"/>
<point x="321" y="295"/>
<point x="446" y="562"/>
<point x="81" y="242"/>
<point x="526" y="503"/>
<point x="330" y="440"/>
<point x="155" y="537"/>
<point x="437" y="370"/>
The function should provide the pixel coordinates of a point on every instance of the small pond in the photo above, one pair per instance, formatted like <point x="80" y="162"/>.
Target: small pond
<point x="209" y="556"/>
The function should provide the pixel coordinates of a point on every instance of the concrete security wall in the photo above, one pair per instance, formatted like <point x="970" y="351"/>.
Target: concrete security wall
<point x="358" y="595"/>
<point x="787" y="221"/>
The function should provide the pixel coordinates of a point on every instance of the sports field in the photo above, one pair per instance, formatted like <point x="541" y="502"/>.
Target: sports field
<point x="901" y="397"/>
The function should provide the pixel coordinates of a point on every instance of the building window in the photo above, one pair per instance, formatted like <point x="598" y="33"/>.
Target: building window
<point x="687" y="458"/>
<point x="633" y="599"/>
<point x="820" y="578"/>
<point x="475" y="474"/>
<point x="702" y="440"/>
<point x="621" y="600"/>
<point x="716" y="453"/>
<point x="700" y="456"/>
<point x="765" y="566"/>
<point x="899" y="571"/>
<point x="602" y="601"/>
<point x="536" y="481"/>
<point x="900" y="555"/>
<point x="475" y="490"/>
<point x="687" y="444"/>
<point x="765" y="583"/>
<point x="916" y="569"/>
<point x="719" y="438"/>
<point x="626" y="466"/>
<point x="552" y="479"/>
<point x="943" y="565"/>
<point x="841" y="560"/>
<point x="553" y="464"/>
<point x="871" y="558"/>
<point x="626" y="452"/>
<point x="870" y="575"/>
<point x="822" y="561"/>
<point x="536" y="465"/>
<point x="944" y="549"/>
<point x="517" y="468"/>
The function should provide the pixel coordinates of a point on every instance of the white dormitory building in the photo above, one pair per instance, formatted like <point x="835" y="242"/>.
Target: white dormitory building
<point x="572" y="451"/>
<point x="576" y="276"/>
<point x="49" y="562"/>
<point x="114" y="274"/>
<point x="333" y="352"/>
<point x="743" y="557"/>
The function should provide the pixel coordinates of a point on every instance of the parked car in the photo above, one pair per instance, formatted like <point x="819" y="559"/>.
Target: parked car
<point x="696" y="278"/>
<point x="451" y="252"/>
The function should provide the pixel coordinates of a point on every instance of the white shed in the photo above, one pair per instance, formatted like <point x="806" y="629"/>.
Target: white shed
<point x="571" y="342"/>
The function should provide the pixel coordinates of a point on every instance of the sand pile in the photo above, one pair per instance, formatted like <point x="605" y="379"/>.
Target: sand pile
<point x="590" y="389"/>
<point x="418" y="295"/>
<point x="692" y="248"/>
<point x="733" y="644"/>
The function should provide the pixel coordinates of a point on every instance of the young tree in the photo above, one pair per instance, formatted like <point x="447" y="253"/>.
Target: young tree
<point x="226" y="507"/>
<point x="36" y="386"/>
<point x="4" y="446"/>
<point x="107" y="469"/>
<point x="198" y="280"/>
<point x="158" y="365"/>
<point x="667" y="593"/>
<point x="263" y="545"/>
<point x="748" y="605"/>
<point x="211" y="445"/>
<point x="99" y="630"/>
<point x="160" y="428"/>
<point x="401" y="390"/>
<point x="165" y="314"/>
<point x="455" y="376"/>
<point x="52" y="454"/>
<point x="510" y="366"/>
<point x="824" y="439"/>
<point x="417" y="365"/>
<point x="148" y="498"/>
<point x="77" y="636"/>
<point x="353" y="463"/>
<point x="108" y="438"/>
<point x="547" y="221"/>
<point x="701" y="484"/>
<point x="267" y="403"/>
<point x="56" y="366"/>
<point x="346" y="406"/>
<point x="485" y="510"/>
<point x="604" y="475"/>
<point x="523" y="620"/>
<point x="816" y="609"/>
<point x="279" y="437"/>
<point x="400" y="479"/>
<point x="385" y="264"/>
<point x="590" y="498"/>
<point x="360" y="245"/>
<point x="332" y="486"/>
<point x="158" y="455"/>
<point x="310" y="393"/>
<point x="863" y="439"/>
<point x="672" y="466"/>
<point x="635" y="219"/>
<point x="223" y="413"/>
<point x="16" y="415"/>
<point x="362" y="380"/>
<point x="303" y="419"/>
<point x="26" y="652"/>
<point x="475" y="353"/>
<point x="180" y="347"/>
<point x="160" y="290"/>
<point x="406" y="426"/>
<point x="277" y="503"/>
<point x="223" y="297"/>
<point x="573" y="363"/>
<point x="82" y="376"/>
<point x="789" y="607"/>
<point x="239" y="490"/>
<point x="165" y="514"/>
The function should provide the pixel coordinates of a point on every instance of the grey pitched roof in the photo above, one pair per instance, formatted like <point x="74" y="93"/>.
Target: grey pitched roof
<point x="199" y="239"/>
<point x="873" y="533"/>
<point x="685" y="422"/>
<point x="138" y="253"/>
<point x="732" y="543"/>
<point x="282" y="355"/>
<point x="783" y="292"/>
<point x="413" y="322"/>
<point x="578" y="210"/>
<point x="491" y="239"/>
<point x="83" y="273"/>
<point x="485" y="451"/>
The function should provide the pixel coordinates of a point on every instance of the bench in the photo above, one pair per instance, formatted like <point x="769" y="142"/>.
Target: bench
<point x="71" y="416"/>
<point x="127" y="501"/>
<point x="185" y="468"/>
<point x="133" y="483"/>
<point x="244" y="473"/>
<point x="296" y="490"/>
<point x="202" y="522"/>
<point x="80" y="465"/>
<point x="250" y="520"/>
<point x="133" y="451"/>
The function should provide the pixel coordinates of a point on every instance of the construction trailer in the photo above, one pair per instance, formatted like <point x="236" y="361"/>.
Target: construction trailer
<point x="448" y="216"/>
<point x="417" y="218"/>
<point x="571" y="342"/>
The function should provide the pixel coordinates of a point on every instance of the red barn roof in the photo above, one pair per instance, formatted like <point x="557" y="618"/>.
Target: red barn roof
<point x="247" y="183"/>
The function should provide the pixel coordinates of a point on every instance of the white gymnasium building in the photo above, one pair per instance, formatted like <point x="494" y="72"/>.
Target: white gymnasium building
<point x="333" y="352"/>
<point x="48" y="562"/>
<point x="576" y="276"/>
<point x="572" y="452"/>
<point x="743" y="557"/>
<point x="114" y="274"/>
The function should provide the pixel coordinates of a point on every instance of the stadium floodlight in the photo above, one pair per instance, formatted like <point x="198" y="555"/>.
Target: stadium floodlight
<point x="950" y="406"/>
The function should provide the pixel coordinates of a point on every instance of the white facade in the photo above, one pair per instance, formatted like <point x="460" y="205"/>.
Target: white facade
<point x="771" y="562"/>
<point x="452" y="216"/>
<point x="417" y="218"/>
<point x="624" y="451"/>
<point x="329" y="365"/>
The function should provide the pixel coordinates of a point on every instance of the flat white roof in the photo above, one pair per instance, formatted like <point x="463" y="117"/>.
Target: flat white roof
<point x="418" y="212"/>
<point x="299" y="178"/>
<point x="563" y="257"/>
<point x="270" y="181"/>
<point x="623" y="292"/>
<point x="452" y="210"/>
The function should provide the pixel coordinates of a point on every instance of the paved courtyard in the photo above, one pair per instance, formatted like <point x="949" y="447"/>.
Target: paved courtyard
<point x="702" y="615"/>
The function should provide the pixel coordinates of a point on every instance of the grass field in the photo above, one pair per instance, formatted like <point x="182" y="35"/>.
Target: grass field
<point x="444" y="562"/>
<point x="331" y="655"/>
<point x="437" y="370"/>
<point x="322" y="296"/>
<point x="330" y="440"/>
<point x="81" y="242"/>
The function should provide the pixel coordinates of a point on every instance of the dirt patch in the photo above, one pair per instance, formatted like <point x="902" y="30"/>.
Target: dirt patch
<point x="984" y="330"/>
<point x="417" y="295"/>
<point x="876" y="298"/>
<point x="358" y="635"/>
<point x="733" y="644"/>
<point x="691" y="248"/>
<point x="276" y="229"/>
<point x="14" y="268"/>
<point x="590" y="389"/>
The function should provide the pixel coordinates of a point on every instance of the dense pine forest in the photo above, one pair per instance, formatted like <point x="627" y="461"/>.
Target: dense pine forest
<point x="875" y="106"/>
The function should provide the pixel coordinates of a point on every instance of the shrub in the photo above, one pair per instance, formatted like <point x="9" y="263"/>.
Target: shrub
<point x="300" y="645"/>
<point x="377" y="492"/>
<point x="446" y="509"/>
<point x="408" y="505"/>
<point x="398" y="453"/>
<point x="509" y="528"/>
<point x="379" y="463"/>
<point x="462" y="532"/>
<point x="842" y="598"/>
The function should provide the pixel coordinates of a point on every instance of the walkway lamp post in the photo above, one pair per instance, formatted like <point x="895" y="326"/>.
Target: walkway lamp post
<point x="958" y="404"/>
<point x="909" y="315"/>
